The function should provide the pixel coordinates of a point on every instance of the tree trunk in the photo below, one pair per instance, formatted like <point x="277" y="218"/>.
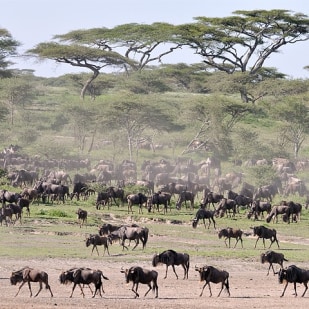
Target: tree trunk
<point x="88" y="83"/>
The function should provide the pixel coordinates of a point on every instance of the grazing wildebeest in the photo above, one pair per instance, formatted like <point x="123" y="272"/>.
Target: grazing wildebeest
<point x="258" y="207"/>
<point x="204" y="214"/>
<point x="172" y="258"/>
<point x="294" y="274"/>
<point x="97" y="240"/>
<point x="212" y="198"/>
<point x="133" y="233"/>
<point x="27" y="275"/>
<point x="214" y="275"/>
<point x="138" y="275"/>
<point x="242" y="200"/>
<point x="226" y="205"/>
<point x="81" y="216"/>
<point x="265" y="233"/>
<point x="185" y="196"/>
<point x="229" y="233"/>
<point x="136" y="199"/>
<point x="83" y="276"/>
<point x="279" y="210"/>
<point x="272" y="257"/>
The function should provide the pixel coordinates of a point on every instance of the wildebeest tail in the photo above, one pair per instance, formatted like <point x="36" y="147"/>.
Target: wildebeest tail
<point x="145" y="238"/>
<point x="227" y="284"/>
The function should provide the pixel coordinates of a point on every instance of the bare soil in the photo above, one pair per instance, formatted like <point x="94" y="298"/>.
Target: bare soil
<point x="249" y="287"/>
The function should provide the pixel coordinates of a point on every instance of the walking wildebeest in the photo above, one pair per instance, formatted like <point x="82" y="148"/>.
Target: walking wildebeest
<point x="272" y="257"/>
<point x="133" y="233"/>
<point x="214" y="275"/>
<point x="138" y="275"/>
<point x="27" y="275"/>
<point x="97" y="240"/>
<point x="172" y="258"/>
<point x="83" y="276"/>
<point x="229" y="233"/>
<point x="294" y="274"/>
<point x="265" y="233"/>
<point x="204" y="214"/>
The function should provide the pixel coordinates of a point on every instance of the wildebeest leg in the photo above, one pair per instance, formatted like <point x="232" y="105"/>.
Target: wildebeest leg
<point x="106" y="248"/>
<point x="270" y="265"/>
<point x="22" y="286"/>
<point x="256" y="242"/>
<point x="306" y="288"/>
<point x="203" y="288"/>
<point x="149" y="285"/>
<point x="295" y="288"/>
<point x="284" y="289"/>
<point x="222" y="286"/>
<point x="40" y="289"/>
<point x="137" y="242"/>
<point x="136" y="294"/>
<point x="74" y="289"/>
<point x="185" y="271"/>
<point x="173" y="266"/>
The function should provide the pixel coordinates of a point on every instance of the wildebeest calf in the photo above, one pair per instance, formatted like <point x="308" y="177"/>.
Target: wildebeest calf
<point x="229" y="233"/>
<point x="272" y="257"/>
<point x="97" y="240"/>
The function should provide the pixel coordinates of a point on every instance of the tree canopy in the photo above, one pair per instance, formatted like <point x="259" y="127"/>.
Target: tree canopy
<point x="8" y="48"/>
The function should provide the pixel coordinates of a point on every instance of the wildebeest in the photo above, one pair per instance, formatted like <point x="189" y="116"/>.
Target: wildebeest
<point x="24" y="203"/>
<point x="138" y="275"/>
<point x="204" y="214"/>
<point x="294" y="274"/>
<point x="226" y="205"/>
<point x="278" y="210"/>
<point x="107" y="228"/>
<point x="263" y="192"/>
<point x="133" y="233"/>
<point x="229" y="233"/>
<point x="258" y="207"/>
<point x="83" y="276"/>
<point x="272" y="257"/>
<point x="98" y="240"/>
<point x="136" y="199"/>
<point x="27" y="275"/>
<point x="185" y="196"/>
<point x="8" y="196"/>
<point x="16" y="210"/>
<point x="214" y="275"/>
<point x="82" y="216"/>
<point x="172" y="258"/>
<point x="6" y="214"/>
<point x="212" y="198"/>
<point x="265" y="233"/>
<point x="159" y="198"/>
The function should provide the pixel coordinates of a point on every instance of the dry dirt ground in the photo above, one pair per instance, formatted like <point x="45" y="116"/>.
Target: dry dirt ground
<point x="249" y="287"/>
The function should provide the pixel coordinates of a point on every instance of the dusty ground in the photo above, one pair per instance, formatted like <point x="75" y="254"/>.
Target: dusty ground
<point x="249" y="287"/>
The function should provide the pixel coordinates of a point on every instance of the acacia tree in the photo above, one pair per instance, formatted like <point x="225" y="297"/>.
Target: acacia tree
<point x="126" y="47"/>
<point x="135" y="116"/>
<point x="8" y="48"/>
<point x="243" y="42"/>
<point x="215" y="120"/>
<point x="294" y="115"/>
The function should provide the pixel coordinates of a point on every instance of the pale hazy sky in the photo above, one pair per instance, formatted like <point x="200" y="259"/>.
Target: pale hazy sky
<point x="35" y="21"/>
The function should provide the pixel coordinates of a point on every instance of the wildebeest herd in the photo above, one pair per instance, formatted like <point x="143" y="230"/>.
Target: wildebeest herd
<point x="139" y="275"/>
